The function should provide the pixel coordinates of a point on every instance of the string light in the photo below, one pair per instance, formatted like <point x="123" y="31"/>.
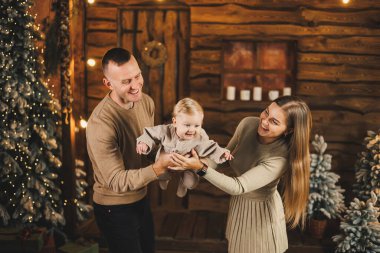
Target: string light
<point x="91" y="62"/>
<point x="82" y="123"/>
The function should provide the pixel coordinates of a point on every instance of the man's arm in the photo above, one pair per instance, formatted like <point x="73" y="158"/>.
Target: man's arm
<point x="107" y="159"/>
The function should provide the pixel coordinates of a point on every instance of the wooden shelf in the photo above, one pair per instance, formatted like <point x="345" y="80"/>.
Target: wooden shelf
<point x="315" y="103"/>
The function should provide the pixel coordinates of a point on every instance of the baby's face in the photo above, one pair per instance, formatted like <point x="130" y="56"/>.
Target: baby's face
<point x="188" y="126"/>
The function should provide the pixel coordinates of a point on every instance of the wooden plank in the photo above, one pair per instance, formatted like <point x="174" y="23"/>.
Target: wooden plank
<point x="186" y="226"/>
<point x="207" y="203"/>
<point x="279" y="29"/>
<point x="104" y="25"/>
<point x="103" y="13"/>
<point x="305" y="88"/>
<point x="240" y="14"/>
<point x="205" y="42"/>
<point x="91" y="104"/>
<point x="155" y="26"/>
<point x="342" y="73"/>
<point x="142" y="36"/>
<point x="360" y="17"/>
<point x="128" y="27"/>
<point x="159" y="218"/>
<point x="369" y="61"/>
<point x="97" y="52"/>
<point x="191" y="246"/>
<point x="183" y="53"/>
<point x="209" y="56"/>
<point x="363" y="105"/>
<point x="170" y="76"/>
<point x="205" y="187"/>
<point x="169" y="228"/>
<point x="201" y="69"/>
<point x="291" y="4"/>
<point x="210" y="84"/>
<point x="95" y="88"/>
<point x="352" y="45"/>
<point x="216" y="225"/>
<point x="200" y="226"/>
<point x="102" y="39"/>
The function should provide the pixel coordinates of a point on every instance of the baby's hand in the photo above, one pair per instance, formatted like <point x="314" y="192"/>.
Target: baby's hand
<point x="141" y="148"/>
<point x="228" y="156"/>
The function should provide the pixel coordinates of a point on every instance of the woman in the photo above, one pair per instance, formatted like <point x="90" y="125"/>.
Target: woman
<point x="267" y="148"/>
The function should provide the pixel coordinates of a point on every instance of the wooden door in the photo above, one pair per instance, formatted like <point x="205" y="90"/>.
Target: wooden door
<point x="132" y="27"/>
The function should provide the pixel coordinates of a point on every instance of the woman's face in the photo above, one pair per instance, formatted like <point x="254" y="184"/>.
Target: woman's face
<point x="272" y="123"/>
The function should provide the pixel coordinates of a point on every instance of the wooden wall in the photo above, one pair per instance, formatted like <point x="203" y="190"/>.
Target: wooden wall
<point x="338" y="63"/>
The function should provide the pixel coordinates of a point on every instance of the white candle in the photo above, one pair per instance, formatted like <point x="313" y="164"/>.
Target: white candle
<point x="287" y="91"/>
<point x="231" y="90"/>
<point x="245" y="95"/>
<point x="273" y="94"/>
<point x="257" y="93"/>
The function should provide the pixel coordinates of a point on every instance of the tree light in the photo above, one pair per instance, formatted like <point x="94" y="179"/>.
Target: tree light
<point x="83" y="123"/>
<point x="91" y="62"/>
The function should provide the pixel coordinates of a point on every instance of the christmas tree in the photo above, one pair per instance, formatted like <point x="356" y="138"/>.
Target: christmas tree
<point x="29" y="151"/>
<point x="360" y="228"/>
<point x="367" y="167"/>
<point x="83" y="209"/>
<point x="325" y="199"/>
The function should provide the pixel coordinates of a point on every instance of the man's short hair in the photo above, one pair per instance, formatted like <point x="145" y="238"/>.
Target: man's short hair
<point x="118" y="55"/>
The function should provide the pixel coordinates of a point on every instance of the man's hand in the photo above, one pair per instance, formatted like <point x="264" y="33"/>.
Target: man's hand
<point x="163" y="162"/>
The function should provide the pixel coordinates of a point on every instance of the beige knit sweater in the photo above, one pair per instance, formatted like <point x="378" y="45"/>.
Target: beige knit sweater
<point x="120" y="174"/>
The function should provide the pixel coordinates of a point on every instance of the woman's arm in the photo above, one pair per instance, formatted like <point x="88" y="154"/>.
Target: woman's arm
<point x="255" y="178"/>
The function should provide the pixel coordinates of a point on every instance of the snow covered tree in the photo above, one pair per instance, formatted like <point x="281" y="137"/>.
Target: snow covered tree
<point x="325" y="199"/>
<point x="29" y="141"/>
<point x="83" y="209"/>
<point x="367" y="167"/>
<point x="360" y="228"/>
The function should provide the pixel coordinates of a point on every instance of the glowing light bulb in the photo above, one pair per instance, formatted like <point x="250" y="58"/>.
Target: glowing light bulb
<point x="90" y="1"/>
<point x="91" y="62"/>
<point x="83" y="123"/>
<point x="345" y="1"/>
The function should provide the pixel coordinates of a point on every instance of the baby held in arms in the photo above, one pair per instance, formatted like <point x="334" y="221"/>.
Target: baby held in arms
<point x="181" y="136"/>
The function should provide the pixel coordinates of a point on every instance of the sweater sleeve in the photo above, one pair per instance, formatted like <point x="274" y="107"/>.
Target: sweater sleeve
<point x="152" y="135"/>
<point x="255" y="178"/>
<point x="211" y="149"/>
<point x="107" y="158"/>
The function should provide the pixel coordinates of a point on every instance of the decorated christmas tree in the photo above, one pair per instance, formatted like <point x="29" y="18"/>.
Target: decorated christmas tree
<point x="81" y="185"/>
<point x="29" y="151"/>
<point x="367" y="167"/>
<point x="360" y="227"/>
<point x="325" y="199"/>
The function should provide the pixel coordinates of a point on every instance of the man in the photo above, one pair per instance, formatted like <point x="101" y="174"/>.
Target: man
<point x="121" y="209"/>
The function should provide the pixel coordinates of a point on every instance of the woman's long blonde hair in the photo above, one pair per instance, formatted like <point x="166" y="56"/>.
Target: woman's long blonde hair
<point x="296" y="180"/>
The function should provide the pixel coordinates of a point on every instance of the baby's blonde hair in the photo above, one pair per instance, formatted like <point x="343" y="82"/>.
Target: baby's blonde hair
<point x="187" y="106"/>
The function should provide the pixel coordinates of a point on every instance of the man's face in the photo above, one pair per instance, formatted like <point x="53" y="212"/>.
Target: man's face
<point x="125" y="81"/>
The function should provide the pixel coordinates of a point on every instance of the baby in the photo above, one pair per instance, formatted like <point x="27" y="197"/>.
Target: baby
<point x="184" y="134"/>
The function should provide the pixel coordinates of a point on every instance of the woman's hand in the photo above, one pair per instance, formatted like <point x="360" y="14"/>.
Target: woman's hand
<point x="184" y="162"/>
<point x="162" y="164"/>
